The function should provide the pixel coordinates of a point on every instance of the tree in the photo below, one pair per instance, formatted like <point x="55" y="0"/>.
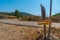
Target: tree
<point x="17" y="13"/>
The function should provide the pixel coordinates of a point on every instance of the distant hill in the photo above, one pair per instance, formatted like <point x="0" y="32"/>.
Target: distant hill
<point x="23" y="16"/>
<point x="56" y="17"/>
<point x="13" y="13"/>
<point x="57" y="14"/>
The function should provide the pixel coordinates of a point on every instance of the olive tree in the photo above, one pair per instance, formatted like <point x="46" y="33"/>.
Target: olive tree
<point x="17" y="13"/>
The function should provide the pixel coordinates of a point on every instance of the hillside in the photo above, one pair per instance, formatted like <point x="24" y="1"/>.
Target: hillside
<point x="56" y="17"/>
<point x="13" y="13"/>
<point x="57" y="14"/>
<point x="23" y="16"/>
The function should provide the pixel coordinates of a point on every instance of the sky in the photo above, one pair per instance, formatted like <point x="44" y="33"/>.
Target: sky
<point x="29" y="6"/>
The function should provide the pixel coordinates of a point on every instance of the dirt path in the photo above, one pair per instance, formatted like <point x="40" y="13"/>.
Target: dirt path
<point x="25" y="23"/>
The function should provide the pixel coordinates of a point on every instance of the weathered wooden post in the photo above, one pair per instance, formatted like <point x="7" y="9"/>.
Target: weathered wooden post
<point x="44" y="17"/>
<point x="50" y="19"/>
<point x="43" y="12"/>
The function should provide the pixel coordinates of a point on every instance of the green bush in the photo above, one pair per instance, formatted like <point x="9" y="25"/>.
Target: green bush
<point x="17" y="14"/>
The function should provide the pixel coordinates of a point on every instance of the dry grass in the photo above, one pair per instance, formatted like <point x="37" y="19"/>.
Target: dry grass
<point x="13" y="32"/>
<point x="11" y="17"/>
<point x="55" y="31"/>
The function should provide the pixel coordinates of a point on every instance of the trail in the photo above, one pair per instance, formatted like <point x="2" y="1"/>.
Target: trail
<point x="26" y="23"/>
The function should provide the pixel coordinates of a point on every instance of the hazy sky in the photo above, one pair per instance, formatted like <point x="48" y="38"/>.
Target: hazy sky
<point x="29" y="6"/>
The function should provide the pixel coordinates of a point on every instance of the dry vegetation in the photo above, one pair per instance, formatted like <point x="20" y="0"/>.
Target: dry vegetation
<point x="11" y="17"/>
<point x="7" y="17"/>
<point x="24" y="18"/>
<point x="13" y="32"/>
<point x="55" y="19"/>
<point x="31" y="18"/>
<point x="55" y="31"/>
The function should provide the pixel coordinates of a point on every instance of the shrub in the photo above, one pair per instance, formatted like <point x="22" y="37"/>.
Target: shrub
<point x="17" y="13"/>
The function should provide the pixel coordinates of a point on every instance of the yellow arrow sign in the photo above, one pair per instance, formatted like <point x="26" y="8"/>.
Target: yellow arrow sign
<point x="44" y="22"/>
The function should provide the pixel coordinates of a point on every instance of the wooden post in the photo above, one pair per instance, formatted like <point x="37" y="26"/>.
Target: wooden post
<point x="44" y="17"/>
<point x="50" y="19"/>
